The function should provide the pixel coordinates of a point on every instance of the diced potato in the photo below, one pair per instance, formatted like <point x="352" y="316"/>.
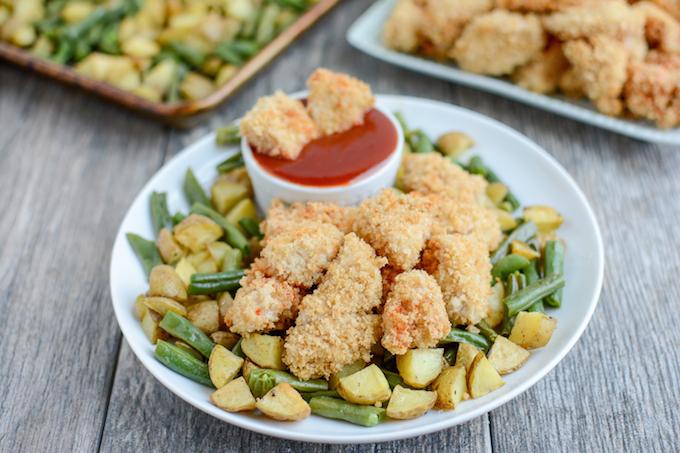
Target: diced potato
<point x="244" y="209"/>
<point x="185" y="270"/>
<point x="140" y="308"/>
<point x="506" y="221"/>
<point x="140" y="47"/>
<point x="466" y="355"/>
<point x="225" y="74"/>
<point x="211" y="66"/>
<point x="496" y="191"/>
<point x="483" y="377"/>
<point x="224" y="302"/>
<point x="223" y="365"/>
<point x="197" y="231"/>
<point x="151" y="328"/>
<point x="345" y="371"/>
<point x="205" y="315"/>
<point x="165" y="282"/>
<point x="496" y="306"/>
<point x="195" y="86"/>
<point x="546" y="218"/>
<point x="532" y="329"/>
<point x="284" y="403"/>
<point x="264" y="350"/>
<point x="147" y="92"/>
<point x="202" y="261"/>
<point x="454" y="144"/>
<point x="506" y="356"/>
<point x="226" y="339"/>
<point x="162" y="305"/>
<point x="226" y="194"/>
<point x="161" y="76"/>
<point x="406" y="403"/>
<point x="169" y="249"/>
<point x="248" y="366"/>
<point x="240" y="9"/>
<point x="182" y="345"/>
<point x="368" y="386"/>
<point x="76" y="11"/>
<point x="217" y="251"/>
<point x="523" y="249"/>
<point x="239" y="176"/>
<point x="419" y="367"/>
<point x="24" y="36"/>
<point x="451" y="386"/>
<point x="235" y="396"/>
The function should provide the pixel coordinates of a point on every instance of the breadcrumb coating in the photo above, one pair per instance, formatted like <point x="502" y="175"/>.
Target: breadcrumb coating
<point x="262" y="304"/>
<point x="414" y="315"/>
<point x="542" y="74"/>
<point x="496" y="43"/>
<point x="662" y="31"/>
<point x="281" y="217"/>
<point x="461" y="266"/>
<point x="278" y="126"/>
<point x="653" y="92"/>
<point x="600" y="63"/>
<point x="537" y="6"/>
<point x="396" y="226"/>
<point x="614" y="18"/>
<point x="433" y="174"/>
<point x="300" y="254"/>
<point x="670" y="6"/>
<point x="402" y="30"/>
<point x="335" y="325"/>
<point x="571" y="84"/>
<point x="337" y="102"/>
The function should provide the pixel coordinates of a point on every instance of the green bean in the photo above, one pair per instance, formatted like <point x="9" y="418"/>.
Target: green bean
<point x="180" y="327"/>
<point x="526" y="297"/>
<point x="181" y="71"/>
<point x="228" y="135"/>
<point x="523" y="233"/>
<point x="232" y="163"/>
<point x="487" y="331"/>
<point x="160" y="216"/>
<point x="393" y="379"/>
<point x="64" y="51"/>
<point x="476" y="166"/>
<point x="508" y="264"/>
<point x="260" y="384"/>
<point x="187" y="54"/>
<point x="513" y="284"/>
<point x="251" y="226"/>
<point x="245" y="47"/>
<point x="342" y="410"/>
<point x="221" y="286"/>
<point x="216" y="277"/>
<point x="298" y="5"/>
<point x="237" y="349"/>
<point x="110" y="41"/>
<point x="420" y="143"/>
<point x="265" y="28"/>
<point x="249" y="28"/>
<point x="193" y="190"/>
<point x="228" y="55"/>
<point x="260" y="380"/>
<point x="182" y="362"/>
<point x="146" y="251"/>
<point x="177" y="218"/>
<point x="402" y="122"/>
<point x="326" y="393"/>
<point x="553" y="264"/>
<point x="531" y="274"/>
<point x="81" y="50"/>
<point x="233" y="260"/>
<point x="463" y="336"/>
<point x="232" y="234"/>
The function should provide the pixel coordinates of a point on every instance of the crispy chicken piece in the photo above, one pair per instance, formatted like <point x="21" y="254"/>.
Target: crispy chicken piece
<point x="335" y="325"/>
<point x="537" y="6"/>
<point x="600" y="63"/>
<point x="402" y="31"/>
<point x="262" y="304"/>
<point x="496" y="43"/>
<point x="571" y="84"/>
<point x="542" y="74"/>
<point x="653" y="92"/>
<point x="278" y="126"/>
<point x="301" y="253"/>
<point x="337" y="102"/>
<point x="389" y="274"/>
<point x="281" y="217"/>
<point x="661" y="29"/>
<point x="671" y="6"/>
<point x="414" y="315"/>
<point x="396" y="226"/>
<point x="461" y="266"/>
<point x="433" y="174"/>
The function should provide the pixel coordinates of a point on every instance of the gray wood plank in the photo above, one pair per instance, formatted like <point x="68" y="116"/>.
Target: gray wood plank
<point x="69" y="166"/>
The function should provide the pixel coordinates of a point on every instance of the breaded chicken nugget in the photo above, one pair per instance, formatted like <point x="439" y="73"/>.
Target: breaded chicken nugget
<point x="278" y="126"/>
<point x="571" y="84"/>
<point x="335" y="325"/>
<point x="281" y="217"/>
<point x="433" y="174"/>
<point x="337" y="102"/>
<point x="661" y="29"/>
<point x="402" y="29"/>
<point x="262" y="304"/>
<point x="396" y="226"/>
<point x="671" y="6"/>
<point x="537" y="6"/>
<point x="414" y="315"/>
<point x="461" y="266"/>
<point x="600" y="63"/>
<point x="300" y="254"/>
<point x="653" y="92"/>
<point x="542" y="74"/>
<point x="497" y="42"/>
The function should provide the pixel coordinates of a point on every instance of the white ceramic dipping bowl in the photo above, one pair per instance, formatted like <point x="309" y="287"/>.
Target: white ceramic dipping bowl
<point x="268" y="187"/>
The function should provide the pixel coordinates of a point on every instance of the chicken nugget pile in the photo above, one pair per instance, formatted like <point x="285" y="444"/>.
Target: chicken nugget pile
<point x="624" y="56"/>
<point x="395" y="272"/>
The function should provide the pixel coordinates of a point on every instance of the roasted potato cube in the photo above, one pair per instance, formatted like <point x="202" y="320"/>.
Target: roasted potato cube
<point x="419" y="367"/>
<point x="451" y="387"/>
<point x="205" y="315"/>
<point x="506" y="356"/>
<point x="546" y="218"/>
<point x="223" y="365"/>
<point x="496" y="191"/>
<point x="185" y="270"/>
<point x="264" y="350"/>
<point x="76" y="11"/>
<point x="234" y="396"/>
<point x="532" y="329"/>
<point x="496" y="306"/>
<point x="506" y="221"/>
<point x="224" y="301"/>
<point x="226" y="339"/>
<point x="140" y="308"/>
<point x="454" y="144"/>
<point x="161" y="76"/>
<point x="170" y="250"/>
<point x="165" y="282"/>
<point x="151" y="328"/>
<point x="162" y="305"/>
<point x="197" y="231"/>
<point x="218" y="251"/>
<point x="368" y="386"/>
<point x="244" y="209"/>
<point x="284" y="403"/>
<point x="351" y="368"/>
<point x="226" y="194"/>
<point x="406" y="403"/>
<point x="195" y="86"/>
<point x="482" y="377"/>
<point x="202" y="262"/>
<point x="465" y="355"/>
<point x="248" y="366"/>
<point x="523" y="249"/>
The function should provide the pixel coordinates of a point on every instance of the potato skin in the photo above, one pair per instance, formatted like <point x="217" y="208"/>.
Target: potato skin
<point x="284" y="403"/>
<point x="197" y="231"/>
<point x="482" y="377"/>
<point x="165" y="282"/>
<point x="406" y="403"/>
<point x="264" y="350"/>
<point x="368" y="386"/>
<point x="532" y="330"/>
<point x="506" y="356"/>
<point x="223" y="366"/>
<point x="419" y="367"/>
<point x="451" y="387"/>
<point x="234" y="396"/>
<point x="170" y="250"/>
<point x="205" y="315"/>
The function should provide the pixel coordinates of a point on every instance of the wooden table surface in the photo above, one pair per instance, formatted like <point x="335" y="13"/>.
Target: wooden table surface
<point x="71" y="164"/>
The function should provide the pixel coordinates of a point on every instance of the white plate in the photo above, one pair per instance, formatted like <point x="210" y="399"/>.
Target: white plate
<point x="365" y="35"/>
<point x="531" y="173"/>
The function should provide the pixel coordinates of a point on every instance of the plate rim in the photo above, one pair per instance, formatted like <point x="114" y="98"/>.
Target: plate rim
<point x="280" y="431"/>
<point x="637" y="130"/>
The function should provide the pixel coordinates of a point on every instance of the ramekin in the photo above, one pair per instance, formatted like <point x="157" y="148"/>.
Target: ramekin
<point x="268" y="187"/>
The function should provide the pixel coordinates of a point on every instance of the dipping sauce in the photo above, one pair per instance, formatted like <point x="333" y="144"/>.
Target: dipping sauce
<point x="337" y="159"/>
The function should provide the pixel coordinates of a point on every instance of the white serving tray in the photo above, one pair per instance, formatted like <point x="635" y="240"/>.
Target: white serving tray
<point x="366" y="35"/>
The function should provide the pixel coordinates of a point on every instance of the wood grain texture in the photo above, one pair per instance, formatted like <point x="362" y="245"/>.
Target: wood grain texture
<point x="63" y="157"/>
